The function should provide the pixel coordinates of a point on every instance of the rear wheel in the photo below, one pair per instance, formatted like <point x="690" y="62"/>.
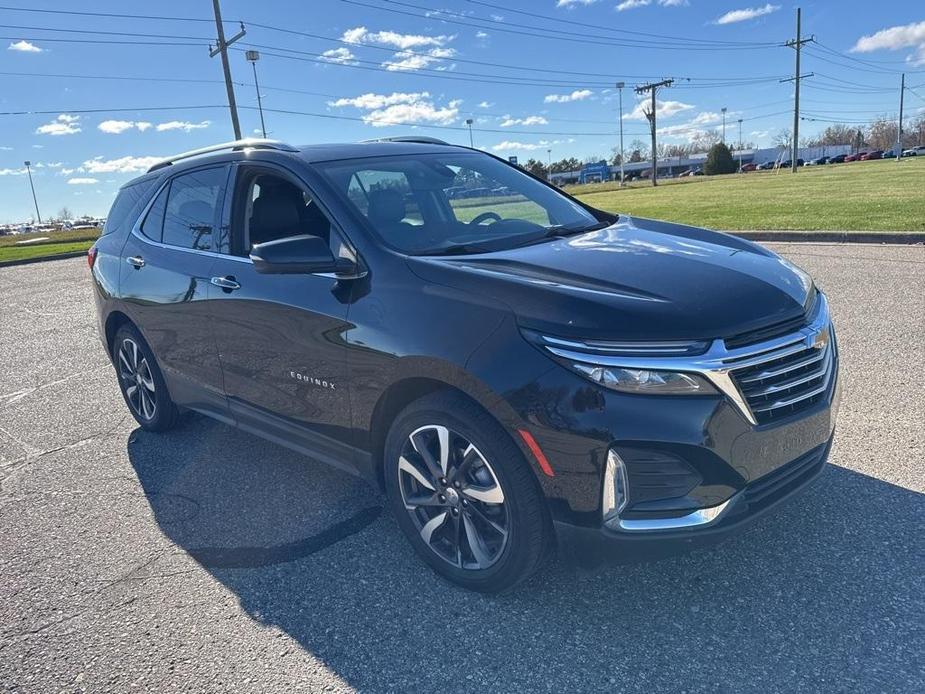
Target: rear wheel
<point x="463" y="494"/>
<point x="141" y="381"/>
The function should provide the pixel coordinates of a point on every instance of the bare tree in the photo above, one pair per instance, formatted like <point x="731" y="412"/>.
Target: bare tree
<point x="65" y="214"/>
<point x="783" y="137"/>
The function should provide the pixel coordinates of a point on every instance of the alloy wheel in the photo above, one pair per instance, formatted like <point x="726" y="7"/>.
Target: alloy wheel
<point x="454" y="497"/>
<point x="137" y="380"/>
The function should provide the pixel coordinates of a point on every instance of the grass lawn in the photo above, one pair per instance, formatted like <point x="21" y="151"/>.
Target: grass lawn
<point x="58" y="242"/>
<point x="858" y="196"/>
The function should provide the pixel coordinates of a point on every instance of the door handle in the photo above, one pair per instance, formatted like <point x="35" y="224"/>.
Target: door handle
<point x="227" y="283"/>
<point x="136" y="261"/>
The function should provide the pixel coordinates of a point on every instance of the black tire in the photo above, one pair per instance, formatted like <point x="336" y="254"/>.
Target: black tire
<point x="524" y="522"/>
<point x="152" y="409"/>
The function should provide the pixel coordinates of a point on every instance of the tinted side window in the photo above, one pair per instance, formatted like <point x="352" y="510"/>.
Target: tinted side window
<point x="153" y="226"/>
<point x="129" y="199"/>
<point x="190" y="215"/>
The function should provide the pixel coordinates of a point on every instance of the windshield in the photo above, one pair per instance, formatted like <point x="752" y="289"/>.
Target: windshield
<point x="455" y="202"/>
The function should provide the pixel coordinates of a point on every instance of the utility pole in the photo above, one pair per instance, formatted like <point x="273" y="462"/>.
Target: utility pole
<point x="620" y="86"/>
<point x="32" y="185"/>
<point x="469" y="123"/>
<point x="222" y="48"/>
<point x="549" y="165"/>
<point x="724" y="125"/>
<point x="652" y="88"/>
<point x="252" y="58"/>
<point x="899" y="136"/>
<point x="797" y="44"/>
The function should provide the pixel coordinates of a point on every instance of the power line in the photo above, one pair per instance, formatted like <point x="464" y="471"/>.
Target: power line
<point x="560" y="20"/>
<point x="557" y="35"/>
<point x="142" y="109"/>
<point x="108" y="14"/>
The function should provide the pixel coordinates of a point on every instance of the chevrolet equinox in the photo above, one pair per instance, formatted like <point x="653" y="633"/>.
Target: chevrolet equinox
<point x="517" y="370"/>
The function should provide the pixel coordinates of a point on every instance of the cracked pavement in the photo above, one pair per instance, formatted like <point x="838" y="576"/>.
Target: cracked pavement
<point x="206" y="559"/>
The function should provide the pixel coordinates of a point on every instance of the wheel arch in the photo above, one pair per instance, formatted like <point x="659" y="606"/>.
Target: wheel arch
<point x="114" y="321"/>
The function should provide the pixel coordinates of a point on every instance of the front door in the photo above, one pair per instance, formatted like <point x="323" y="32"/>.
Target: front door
<point x="281" y="338"/>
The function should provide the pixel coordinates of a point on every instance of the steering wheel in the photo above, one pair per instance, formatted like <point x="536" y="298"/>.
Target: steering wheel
<point x="484" y="216"/>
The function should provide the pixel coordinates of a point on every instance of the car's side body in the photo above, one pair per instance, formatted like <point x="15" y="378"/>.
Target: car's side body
<point x="322" y="363"/>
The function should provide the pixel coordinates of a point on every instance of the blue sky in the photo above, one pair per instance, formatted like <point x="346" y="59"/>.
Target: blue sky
<point x="370" y="68"/>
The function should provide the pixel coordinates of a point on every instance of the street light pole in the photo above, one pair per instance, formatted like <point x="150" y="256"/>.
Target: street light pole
<point x="620" y="86"/>
<point x="549" y="165"/>
<point x="740" y="144"/>
<point x="252" y="58"/>
<point x="724" y="125"/>
<point x="469" y="123"/>
<point x="32" y="185"/>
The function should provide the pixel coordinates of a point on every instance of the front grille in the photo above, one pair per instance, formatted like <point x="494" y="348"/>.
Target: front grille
<point x="788" y="379"/>
<point x="781" y="481"/>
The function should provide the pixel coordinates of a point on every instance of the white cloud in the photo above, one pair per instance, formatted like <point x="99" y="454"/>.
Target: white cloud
<point x="663" y="109"/>
<point x="115" y="127"/>
<point x="631" y="4"/>
<point x="393" y="38"/>
<point x="82" y="181"/>
<point x="894" y="39"/>
<point x="508" y="121"/>
<point x="142" y="125"/>
<point x="509" y="145"/>
<point x="340" y="55"/>
<point x="485" y="104"/>
<point x="4" y="148"/>
<point x="400" y="108"/>
<point x="577" y="95"/>
<point x="64" y="124"/>
<point x="481" y="35"/>
<point x="371" y="101"/>
<point x="12" y="172"/>
<point x="432" y="48"/>
<point x="406" y="60"/>
<point x="573" y="3"/>
<point x="746" y="14"/>
<point x="127" y="164"/>
<point x="24" y="47"/>
<point x="183" y="125"/>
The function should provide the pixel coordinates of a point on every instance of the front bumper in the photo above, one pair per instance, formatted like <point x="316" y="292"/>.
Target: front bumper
<point x="595" y="545"/>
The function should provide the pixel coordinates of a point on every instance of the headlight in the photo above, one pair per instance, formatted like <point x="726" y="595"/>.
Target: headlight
<point x="645" y="381"/>
<point x="616" y="490"/>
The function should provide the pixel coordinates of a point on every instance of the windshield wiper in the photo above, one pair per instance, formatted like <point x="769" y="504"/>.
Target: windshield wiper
<point x="456" y="249"/>
<point x="562" y="230"/>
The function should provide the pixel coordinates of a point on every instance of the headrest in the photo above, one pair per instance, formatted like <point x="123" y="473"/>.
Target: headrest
<point x="386" y="207"/>
<point x="275" y="212"/>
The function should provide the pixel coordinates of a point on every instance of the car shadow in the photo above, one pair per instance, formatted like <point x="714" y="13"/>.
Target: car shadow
<point x="824" y="593"/>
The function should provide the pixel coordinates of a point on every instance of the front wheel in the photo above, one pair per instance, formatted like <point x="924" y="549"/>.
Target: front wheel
<point x="463" y="494"/>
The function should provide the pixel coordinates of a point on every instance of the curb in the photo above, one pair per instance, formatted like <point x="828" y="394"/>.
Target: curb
<point x="42" y="259"/>
<point x="889" y="237"/>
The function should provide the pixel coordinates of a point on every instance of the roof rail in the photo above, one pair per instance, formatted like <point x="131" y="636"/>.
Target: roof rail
<point x="246" y="143"/>
<point x="422" y="139"/>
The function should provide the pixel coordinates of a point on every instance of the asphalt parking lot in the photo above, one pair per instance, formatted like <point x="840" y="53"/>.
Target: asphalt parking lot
<point x="209" y="560"/>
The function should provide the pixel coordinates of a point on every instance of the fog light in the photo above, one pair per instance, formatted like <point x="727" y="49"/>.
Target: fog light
<point x="616" y="490"/>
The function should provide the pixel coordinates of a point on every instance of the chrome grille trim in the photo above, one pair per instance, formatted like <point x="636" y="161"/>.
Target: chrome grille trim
<point x="723" y="367"/>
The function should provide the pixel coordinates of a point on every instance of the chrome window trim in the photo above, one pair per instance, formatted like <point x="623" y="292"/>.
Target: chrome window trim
<point x="718" y="363"/>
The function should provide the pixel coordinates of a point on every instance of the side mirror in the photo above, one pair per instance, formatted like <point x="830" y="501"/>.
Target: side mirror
<point x="297" y="255"/>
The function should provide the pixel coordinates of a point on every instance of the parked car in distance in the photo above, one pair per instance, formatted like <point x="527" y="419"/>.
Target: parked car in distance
<point x="788" y="163"/>
<point x="748" y="167"/>
<point x="766" y="166"/>
<point x="852" y="157"/>
<point x="818" y="161"/>
<point x="478" y="362"/>
<point x="889" y="154"/>
<point x="914" y="151"/>
<point x="869" y="156"/>
<point x="838" y="159"/>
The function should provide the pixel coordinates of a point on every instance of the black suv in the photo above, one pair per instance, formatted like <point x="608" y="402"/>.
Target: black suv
<point x="517" y="370"/>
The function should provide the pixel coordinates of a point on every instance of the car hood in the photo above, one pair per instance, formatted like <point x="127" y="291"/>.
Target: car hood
<point x="638" y="279"/>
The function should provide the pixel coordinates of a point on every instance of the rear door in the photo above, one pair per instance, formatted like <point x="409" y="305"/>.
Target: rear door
<point x="167" y="262"/>
<point x="281" y="338"/>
